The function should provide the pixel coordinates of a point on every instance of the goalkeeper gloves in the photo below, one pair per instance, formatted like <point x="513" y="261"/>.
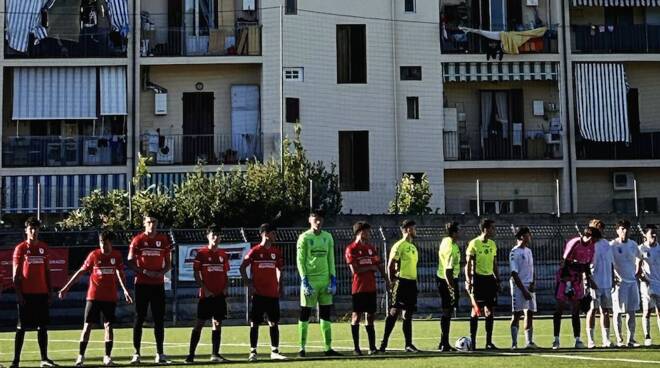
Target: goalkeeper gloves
<point x="332" y="288"/>
<point x="306" y="287"/>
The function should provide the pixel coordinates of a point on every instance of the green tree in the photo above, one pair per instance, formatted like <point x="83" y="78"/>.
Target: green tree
<point x="411" y="197"/>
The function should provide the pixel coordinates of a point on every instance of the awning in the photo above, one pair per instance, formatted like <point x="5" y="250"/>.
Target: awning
<point x="113" y="90"/>
<point x="616" y="2"/>
<point x="498" y="71"/>
<point x="119" y="16"/>
<point x="54" y="93"/>
<point x="600" y="98"/>
<point x="24" y="17"/>
<point x="59" y="193"/>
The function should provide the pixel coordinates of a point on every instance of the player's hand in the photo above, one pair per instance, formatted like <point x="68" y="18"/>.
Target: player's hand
<point x="332" y="288"/>
<point x="468" y="287"/>
<point x="527" y="295"/>
<point x="62" y="293"/>
<point x="127" y="297"/>
<point x="208" y="293"/>
<point x="532" y="287"/>
<point x="251" y="288"/>
<point x="592" y="284"/>
<point x="306" y="287"/>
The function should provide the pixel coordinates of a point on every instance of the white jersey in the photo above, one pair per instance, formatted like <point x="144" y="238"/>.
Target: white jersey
<point x="601" y="268"/>
<point x="651" y="268"/>
<point x="625" y="259"/>
<point x="521" y="262"/>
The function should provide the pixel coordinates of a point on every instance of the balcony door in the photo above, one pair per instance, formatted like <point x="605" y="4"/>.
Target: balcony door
<point x="198" y="125"/>
<point x="199" y="17"/>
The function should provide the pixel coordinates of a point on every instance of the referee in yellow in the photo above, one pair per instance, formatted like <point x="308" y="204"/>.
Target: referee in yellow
<point x="449" y="267"/>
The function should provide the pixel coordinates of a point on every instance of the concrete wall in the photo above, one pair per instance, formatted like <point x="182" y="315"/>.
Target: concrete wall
<point x="596" y="191"/>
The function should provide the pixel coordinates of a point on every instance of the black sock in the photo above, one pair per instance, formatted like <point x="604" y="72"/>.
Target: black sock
<point x="137" y="337"/>
<point x="355" y="332"/>
<point x="474" y="325"/>
<point x="371" y="335"/>
<point x="195" y="335"/>
<point x="556" y="323"/>
<point x="406" y="326"/>
<point x="389" y="326"/>
<point x="489" y="329"/>
<point x="254" y="336"/>
<point x="18" y="344"/>
<point x="108" y="348"/>
<point x="274" y="337"/>
<point x="42" y="339"/>
<point x="575" y="319"/>
<point x="215" y="341"/>
<point x="445" y="322"/>
<point x="82" y="347"/>
<point x="159" y="335"/>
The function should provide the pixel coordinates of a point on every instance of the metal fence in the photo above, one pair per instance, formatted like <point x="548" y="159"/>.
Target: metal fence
<point x="547" y="245"/>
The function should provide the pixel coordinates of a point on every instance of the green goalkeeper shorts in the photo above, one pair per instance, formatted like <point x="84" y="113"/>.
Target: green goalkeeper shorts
<point x="320" y="295"/>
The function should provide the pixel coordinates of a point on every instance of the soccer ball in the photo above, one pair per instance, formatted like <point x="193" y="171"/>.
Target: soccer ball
<point x="463" y="343"/>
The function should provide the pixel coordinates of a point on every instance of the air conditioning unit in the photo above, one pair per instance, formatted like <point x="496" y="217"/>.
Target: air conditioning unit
<point x="624" y="181"/>
<point x="160" y="104"/>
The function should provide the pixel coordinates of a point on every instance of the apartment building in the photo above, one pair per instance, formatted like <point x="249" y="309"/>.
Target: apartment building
<point x="381" y="88"/>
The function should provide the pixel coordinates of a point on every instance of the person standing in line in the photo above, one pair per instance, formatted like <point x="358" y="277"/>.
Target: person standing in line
<point x="601" y="298"/>
<point x="449" y="267"/>
<point x="522" y="283"/>
<point x="650" y="285"/>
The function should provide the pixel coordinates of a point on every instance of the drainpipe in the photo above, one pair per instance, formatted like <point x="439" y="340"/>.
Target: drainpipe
<point x="394" y="93"/>
<point x="565" y="35"/>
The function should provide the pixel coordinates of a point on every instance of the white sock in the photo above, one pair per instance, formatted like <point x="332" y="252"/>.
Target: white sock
<point x="590" y="334"/>
<point x="514" y="335"/>
<point x="646" y="326"/>
<point x="528" y="335"/>
<point x="631" y="326"/>
<point x="606" y="335"/>
<point x="617" y="327"/>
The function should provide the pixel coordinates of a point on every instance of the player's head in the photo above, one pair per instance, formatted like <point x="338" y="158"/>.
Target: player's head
<point x="650" y="233"/>
<point x="452" y="229"/>
<point x="316" y="219"/>
<point x="106" y="237"/>
<point x="150" y="223"/>
<point x="487" y="227"/>
<point x="32" y="225"/>
<point x="213" y="234"/>
<point x="592" y="233"/>
<point x="598" y="224"/>
<point x="523" y="234"/>
<point x="622" y="228"/>
<point x="362" y="230"/>
<point x="409" y="228"/>
<point x="268" y="232"/>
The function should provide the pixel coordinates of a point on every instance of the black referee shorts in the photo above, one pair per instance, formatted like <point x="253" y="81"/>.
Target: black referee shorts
<point x="34" y="313"/>
<point x="485" y="290"/>
<point x="447" y="300"/>
<point x="95" y="308"/>
<point x="212" y="307"/>
<point x="365" y="302"/>
<point x="404" y="295"/>
<point x="263" y="305"/>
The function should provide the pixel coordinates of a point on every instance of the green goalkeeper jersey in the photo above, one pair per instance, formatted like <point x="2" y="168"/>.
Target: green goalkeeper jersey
<point x="315" y="255"/>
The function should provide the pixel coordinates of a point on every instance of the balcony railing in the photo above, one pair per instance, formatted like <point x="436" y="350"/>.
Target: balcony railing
<point x="644" y="146"/>
<point x="86" y="44"/>
<point x="49" y="151"/>
<point x="603" y="39"/>
<point x="536" y="145"/>
<point x="185" y="149"/>
<point x="242" y="40"/>
<point x="458" y="42"/>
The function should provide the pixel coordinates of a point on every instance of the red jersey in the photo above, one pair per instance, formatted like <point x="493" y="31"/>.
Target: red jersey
<point x="103" y="279"/>
<point x="151" y="254"/>
<point x="34" y="259"/>
<point x="360" y="254"/>
<point x="214" y="265"/>
<point x="264" y="263"/>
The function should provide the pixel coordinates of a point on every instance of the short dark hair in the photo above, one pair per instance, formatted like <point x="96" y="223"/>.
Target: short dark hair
<point x="485" y="224"/>
<point x="317" y="212"/>
<point x="407" y="223"/>
<point x="648" y="227"/>
<point x="623" y="223"/>
<point x="359" y="226"/>
<point x="451" y="228"/>
<point x="522" y="231"/>
<point x="592" y="232"/>
<point x="32" y="222"/>
<point x="107" y="235"/>
<point x="214" y="229"/>
<point x="266" y="228"/>
<point x="150" y="215"/>
<point x="597" y="223"/>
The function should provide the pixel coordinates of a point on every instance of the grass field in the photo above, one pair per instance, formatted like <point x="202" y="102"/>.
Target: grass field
<point x="64" y="348"/>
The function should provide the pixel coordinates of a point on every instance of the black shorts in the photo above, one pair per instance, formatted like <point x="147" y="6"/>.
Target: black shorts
<point x="447" y="300"/>
<point x="34" y="313"/>
<point x="265" y="305"/>
<point x="212" y="307"/>
<point x="365" y="303"/>
<point x="95" y="308"/>
<point x="404" y="295"/>
<point x="485" y="290"/>
<point x="150" y="295"/>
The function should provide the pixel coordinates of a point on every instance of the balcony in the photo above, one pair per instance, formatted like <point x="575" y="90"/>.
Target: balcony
<point x="458" y="42"/>
<point x="52" y="151"/>
<point x="644" y="146"/>
<point x="88" y="45"/>
<point x="242" y="40"/>
<point x="537" y="145"/>
<point x="188" y="149"/>
<point x="604" y="39"/>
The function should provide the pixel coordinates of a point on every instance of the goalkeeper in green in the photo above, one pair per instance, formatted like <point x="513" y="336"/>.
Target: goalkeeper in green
<point x="315" y="258"/>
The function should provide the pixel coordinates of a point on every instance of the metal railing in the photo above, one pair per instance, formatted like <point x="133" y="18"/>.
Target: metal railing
<point x="601" y="39"/>
<point x="241" y="40"/>
<point x="189" y="149"/>
<point x="48" y="151"/>
<point x="535" y="145"/>
<point x="644" y="146"/>
<point x="458" y="42"/>
<point x="88" y="43"/>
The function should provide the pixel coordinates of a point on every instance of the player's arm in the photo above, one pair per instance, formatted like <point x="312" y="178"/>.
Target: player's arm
<point x="331" y="258"/>
<point x="470" y="255"/>
<point x="119" y="272"/>
<point x="301" y="257"/>
<point x="48" y="280"/>
<point x="132" y="257"/>
<point x="74" y="279"/>
<point x="383" y="274"/>
<point x="639" y="272"/>
<point x="200" y="282"/>
<point x="247" y="261"/>
<point x="17" y="275"/>
<point x="168" y="260"/>
<point x="392" y="268"/>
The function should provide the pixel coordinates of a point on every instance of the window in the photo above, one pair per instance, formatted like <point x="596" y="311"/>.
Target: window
<point x="351" y="53"/>
<point x="409" y="73"/>
<point x="413" y="107"/>
<point x="354" y="160"/>
<point x="292" y="110"/>
<point x="294" y="74"/>
<point x="644" y="205"/>
<point x="501" y="207"/>
<point x="409" y="6"/>
<point x="291" y="7"/>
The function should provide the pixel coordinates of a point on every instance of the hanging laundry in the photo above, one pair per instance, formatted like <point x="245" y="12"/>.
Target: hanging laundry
<point x="118" y="10"/>
<point x="24" y="18"/>
<point x="511" y="41"/>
